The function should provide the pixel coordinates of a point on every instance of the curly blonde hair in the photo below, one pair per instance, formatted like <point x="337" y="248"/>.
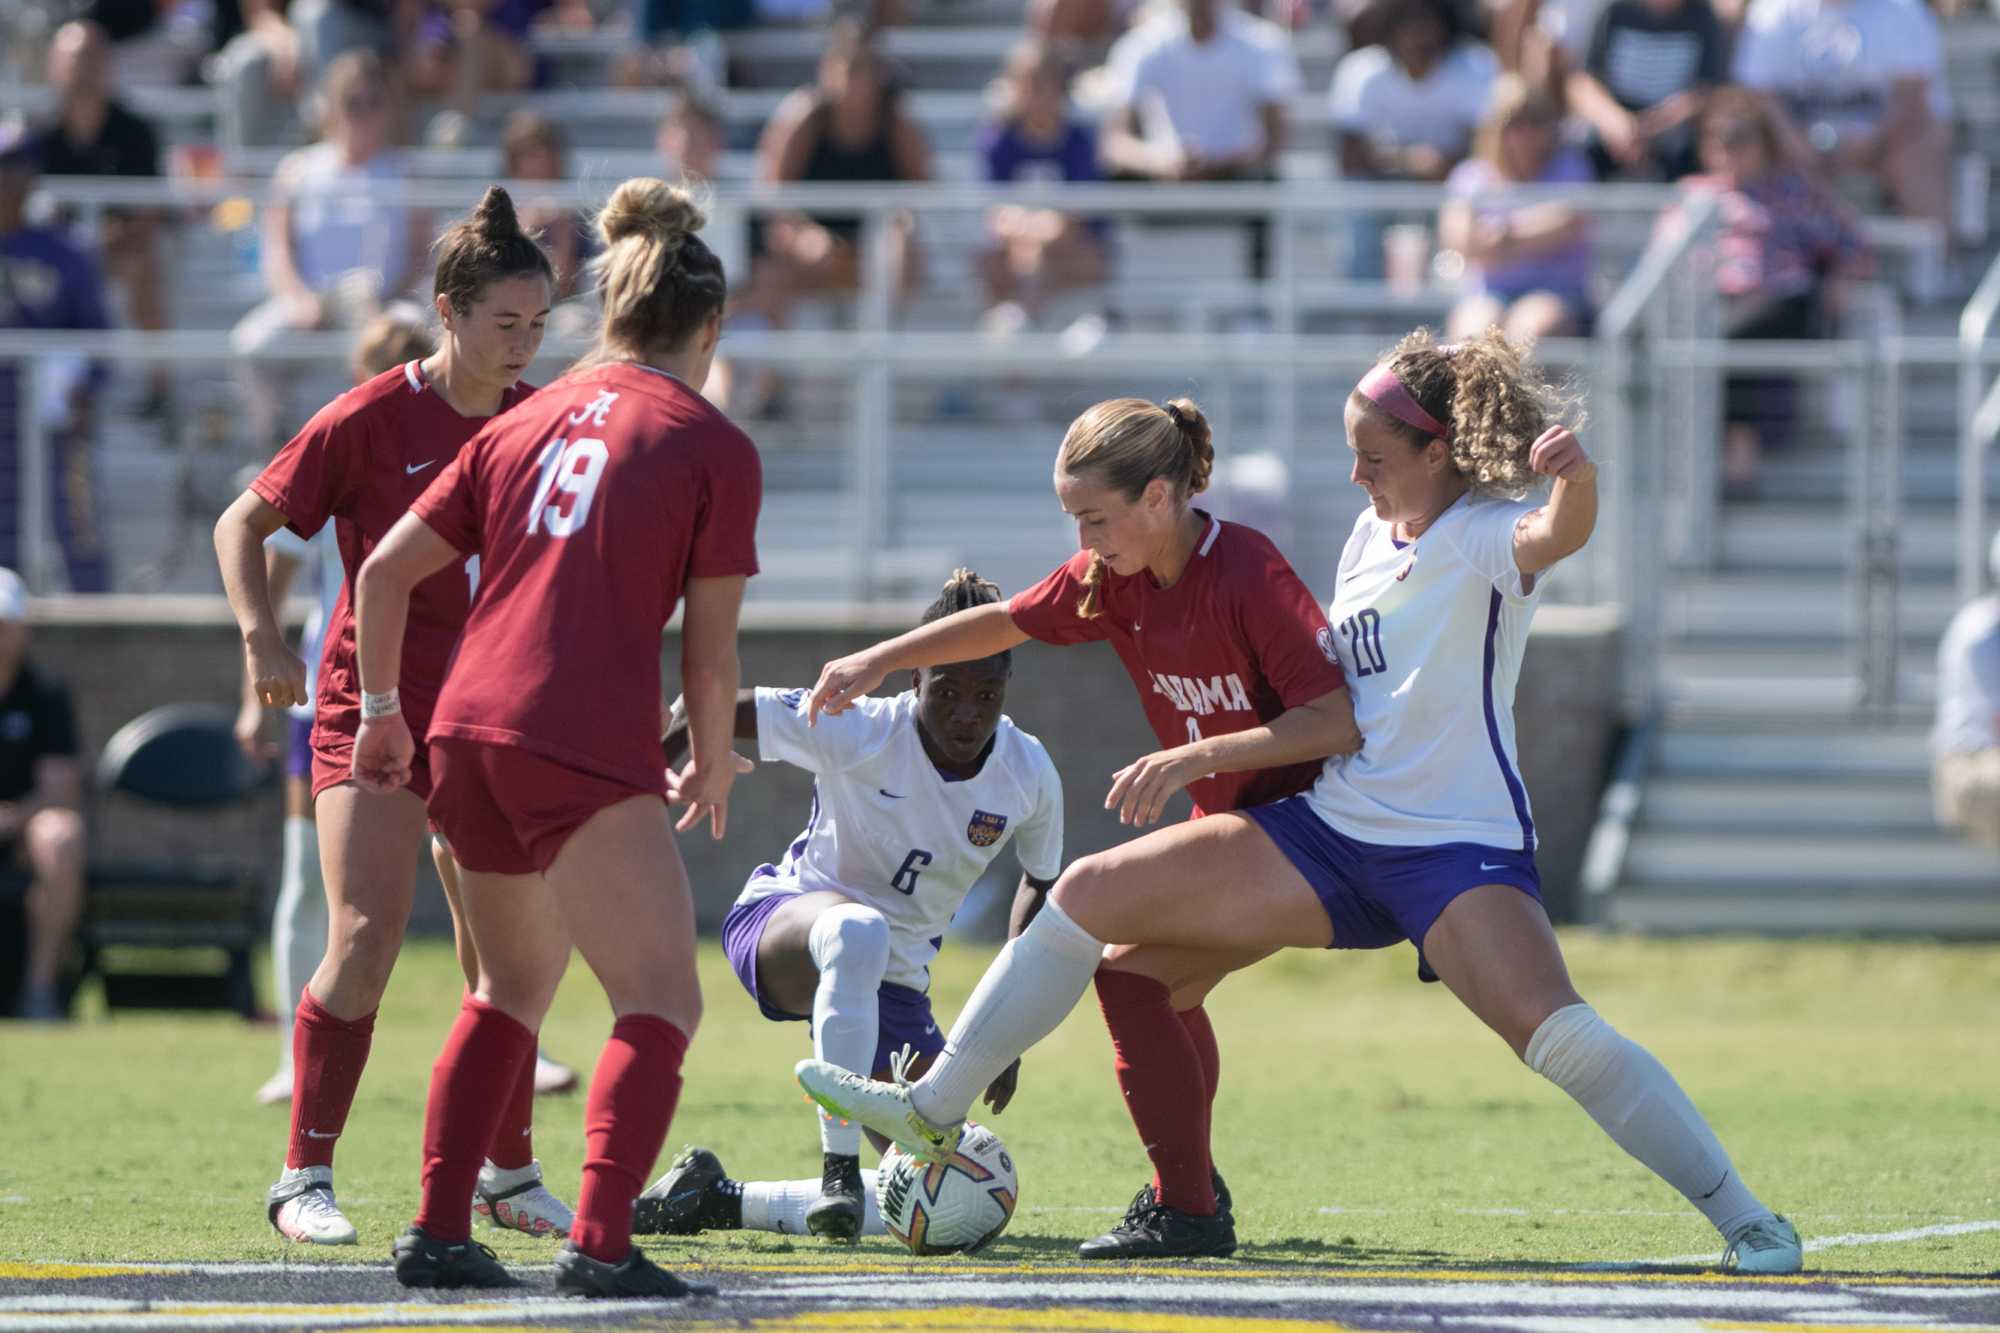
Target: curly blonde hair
<point x="1495" y="401"/>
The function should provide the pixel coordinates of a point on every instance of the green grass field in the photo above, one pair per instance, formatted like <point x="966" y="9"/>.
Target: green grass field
<point x="1364" y="1119"/>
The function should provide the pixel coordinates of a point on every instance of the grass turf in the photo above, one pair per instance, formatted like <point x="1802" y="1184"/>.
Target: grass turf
<point x="1364" y="1119"/>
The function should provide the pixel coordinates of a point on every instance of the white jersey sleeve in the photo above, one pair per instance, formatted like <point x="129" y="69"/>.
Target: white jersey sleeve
<point x="1485" y="541"/>
<point x="837" y="743"/>
<point x="1039" y="842"/>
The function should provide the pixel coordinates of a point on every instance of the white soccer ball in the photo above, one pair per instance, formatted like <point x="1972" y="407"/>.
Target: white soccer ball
<point x="956" y="1207"/>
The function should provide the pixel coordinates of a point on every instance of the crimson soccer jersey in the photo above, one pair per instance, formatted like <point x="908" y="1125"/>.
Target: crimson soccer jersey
<point x="589" y="512"/>
<point x="1234" y="643"/>
<point x="360" y="461"/>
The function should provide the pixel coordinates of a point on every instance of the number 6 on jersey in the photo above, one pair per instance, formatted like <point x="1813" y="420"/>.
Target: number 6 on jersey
<point x="572" y="467"/>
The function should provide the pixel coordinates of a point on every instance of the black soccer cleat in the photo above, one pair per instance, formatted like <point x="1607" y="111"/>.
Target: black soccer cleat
<point x="577" y="1274"/>
<point x="422" y="1261"/>
<point x="836" y="1214"/>
<point x="695" y="1195"/>
<point x="1160" y="1232"/>
<point x="1224" y="1205"/>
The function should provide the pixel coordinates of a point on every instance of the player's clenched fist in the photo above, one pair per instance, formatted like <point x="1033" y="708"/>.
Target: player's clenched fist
<point x="1558" y="453"/>
<point x="841" y="682"/>
<point x="383" y="751"/>
<point x="276" y="675"/>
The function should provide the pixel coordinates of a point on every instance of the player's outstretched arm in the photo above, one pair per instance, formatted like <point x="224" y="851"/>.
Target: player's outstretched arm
<point x="965" y="636"/>
<point x="276" y="676"/>
<point x="674" y="744"/>
<point x="711" y="674"/>
<point x="1320" y="729"/>
<point x="1562" y="526"/>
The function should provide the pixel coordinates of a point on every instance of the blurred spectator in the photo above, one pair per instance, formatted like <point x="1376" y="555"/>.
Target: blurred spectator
<point x="1650" y="65"/>
<point x="1406" y="109"/>
<point x="690" y="139"/>
<point x="46" y="282"/>
<point x="1965" y="740"/>
<point x="1862" y="82"/>
<point x="1075" y="25"/>
<point x="333" y="249"/>
<point x="94" y="135"/>
<point x="1038" y="251"/>
<point x="41" y="789"/>
<point x="1783" y="258"/>
<point x="533" y="148"/>
<point x="1527" y="262"/>
<point x="850" y="126"/>
<point x="463" y="50"/>
<point x="1544" y="41"/>
<point x="270" y="53"/>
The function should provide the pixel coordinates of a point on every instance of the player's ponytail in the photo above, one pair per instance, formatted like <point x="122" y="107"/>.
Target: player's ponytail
<point x="963" y="591"/>
<point x="486" y="246"/>
<point x="1492" y="398"/>
<point x="657" y="280"/>
<point x="1125" y="443"/>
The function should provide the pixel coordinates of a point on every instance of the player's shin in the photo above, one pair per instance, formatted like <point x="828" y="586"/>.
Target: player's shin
<point x="850" y="945"/>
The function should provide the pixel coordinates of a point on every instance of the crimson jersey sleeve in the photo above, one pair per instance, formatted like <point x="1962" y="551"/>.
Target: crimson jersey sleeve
<point x="1278" y="617"/>
<point x="317" y="470"/>
<point x="1047" y="611"/>
<point x="725" y="538"/>
<point x="450" y="505"/>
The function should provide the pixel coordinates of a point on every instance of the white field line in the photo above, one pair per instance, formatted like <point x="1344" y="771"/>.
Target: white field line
<point x="1833" y="1242"/>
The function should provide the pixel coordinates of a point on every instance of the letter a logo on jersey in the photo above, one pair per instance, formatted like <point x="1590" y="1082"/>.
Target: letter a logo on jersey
<point x="596" y="410"/>
<point x="984" y="829"/>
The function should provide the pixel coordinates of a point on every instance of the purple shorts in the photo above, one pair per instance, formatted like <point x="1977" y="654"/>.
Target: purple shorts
<point x="905" y="1014"/>
<point x="1376" y="895"/>
<point x="298" y="746"/>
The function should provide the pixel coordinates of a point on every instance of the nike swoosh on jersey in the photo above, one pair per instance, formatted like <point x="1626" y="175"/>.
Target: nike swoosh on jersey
<point x="412" y="469"/>
<point x="1502" y="866"/>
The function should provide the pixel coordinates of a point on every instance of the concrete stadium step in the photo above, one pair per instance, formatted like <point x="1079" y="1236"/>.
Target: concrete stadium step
<point x="1798" y="535"/>
<point x="1836" y="748"/>
<point x="1755" y="680"/>
<point x="1665" y="909"/>
<point x="1698" y="807"/>
<point x="1821" y="864"/>
<point x="1782" y="604"/>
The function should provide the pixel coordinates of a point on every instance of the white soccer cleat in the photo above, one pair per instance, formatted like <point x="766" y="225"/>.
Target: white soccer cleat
<point x="882" y="1107"/>
<point x="277" y="1089"/>
<point x="301" y="1207"/>
<point x="552" y="1075"/>
<point x="517" y="1200"/>
<point x="1768" y="1246"/>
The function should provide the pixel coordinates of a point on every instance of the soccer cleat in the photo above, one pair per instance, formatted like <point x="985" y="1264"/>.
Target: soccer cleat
<point x="1767" y="1246"/>
<point x="692" y="1197"/>
<point x="577" y="1274"/>
<point x="301" y="1207"/>
<point x="836" y="1213"/>
<point x="424" y="1262"/>
<point x="1224" y="1205"/>
<point x="882" y="1107"/>
<point x="277" y="1089"/>
<point x="1160" y="1232"/>
<point x="517" y="1200"/>
<point x="552" y="1075"/>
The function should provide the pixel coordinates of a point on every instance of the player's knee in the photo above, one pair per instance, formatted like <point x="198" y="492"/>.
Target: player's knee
<point x="852" y="938"/>
<point x="55" y="837"/>
<point x="1085" y="886"/>
<point x="1571" y="1046"/>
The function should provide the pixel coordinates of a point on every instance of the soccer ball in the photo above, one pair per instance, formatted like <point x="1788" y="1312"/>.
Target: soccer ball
<point x="954" y="1207"/>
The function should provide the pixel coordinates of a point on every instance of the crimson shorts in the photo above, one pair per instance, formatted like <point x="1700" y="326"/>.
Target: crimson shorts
<point x="333" y="764"/>
<point x="508" y="811"/>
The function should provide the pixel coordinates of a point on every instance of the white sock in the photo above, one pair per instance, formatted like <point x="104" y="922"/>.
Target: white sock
<point x="850" y="945"/>
<point x="1033" y="983"/>
<point x="780" y="1206"/>
<point x="298" y="924"/>
<point x="1635" y="1100"/>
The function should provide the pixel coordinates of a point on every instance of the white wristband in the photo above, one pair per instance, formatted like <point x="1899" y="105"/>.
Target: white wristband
<point x="380" y="705"/>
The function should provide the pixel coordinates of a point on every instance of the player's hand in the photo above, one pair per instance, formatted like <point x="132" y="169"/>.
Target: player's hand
<point x="1001" y="1090"/>
<point x="1559" y="454"/>
<point x="249" y="731"/>
<point x="1141" y="789"/>
<point x="277" y="676"/>
<point x="705" y="792"/>
<point x="383" y="753"/>
<point x="841" y="682"/>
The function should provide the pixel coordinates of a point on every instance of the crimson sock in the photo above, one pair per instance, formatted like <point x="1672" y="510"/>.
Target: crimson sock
<point x="514" y="1140"/>
<point x="632" y="1099"/>
<point x="474" y="1076"/>
<point x="1166" y="1091"/>
<point x="329" y="1054"/>
<point x="1202" y="1032"/>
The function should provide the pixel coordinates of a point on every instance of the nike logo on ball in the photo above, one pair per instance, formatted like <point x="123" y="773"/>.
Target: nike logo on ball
<point x="412" y="469"/>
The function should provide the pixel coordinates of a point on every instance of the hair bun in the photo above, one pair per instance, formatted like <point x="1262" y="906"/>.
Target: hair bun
<point x="649" y="208"/>
<point x="495" y="216"/>
<point x="1194" y="428"/>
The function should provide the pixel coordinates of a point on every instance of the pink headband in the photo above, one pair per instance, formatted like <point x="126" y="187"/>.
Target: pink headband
<point x="1381" y="387"/>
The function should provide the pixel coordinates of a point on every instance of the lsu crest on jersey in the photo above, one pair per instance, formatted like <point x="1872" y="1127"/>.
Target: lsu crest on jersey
<point x="889" y="830"/>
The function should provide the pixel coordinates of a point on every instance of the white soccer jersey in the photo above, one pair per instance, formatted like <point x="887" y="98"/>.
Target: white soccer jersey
<point x="1431" y="634"/>
<point x="889" y="830"/>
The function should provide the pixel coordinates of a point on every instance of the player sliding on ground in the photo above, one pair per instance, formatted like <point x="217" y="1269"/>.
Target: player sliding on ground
<point x="1235" y="670"/>
<point x="1424" y="835"/>
<point x="913" y="797"/>
<point x="359" y="463"/>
